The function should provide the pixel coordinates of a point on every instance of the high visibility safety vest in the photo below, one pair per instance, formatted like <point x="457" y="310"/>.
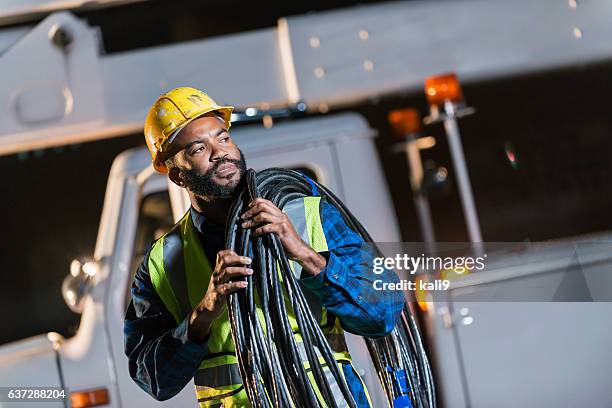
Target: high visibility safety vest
<point x="180" y="273"/>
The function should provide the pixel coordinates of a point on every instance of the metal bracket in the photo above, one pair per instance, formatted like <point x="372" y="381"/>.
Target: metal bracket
<point x="57" y="89"/>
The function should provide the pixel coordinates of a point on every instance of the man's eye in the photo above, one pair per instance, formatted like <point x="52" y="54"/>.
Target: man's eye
<point x="225" y="139"/>
<point x="198" y="150"/>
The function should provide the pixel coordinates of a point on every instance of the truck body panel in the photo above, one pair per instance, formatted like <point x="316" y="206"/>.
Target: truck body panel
<point x="88" y="95"/>
<point x="31" y="362"/>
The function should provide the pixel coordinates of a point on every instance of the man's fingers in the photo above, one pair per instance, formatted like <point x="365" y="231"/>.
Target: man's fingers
<point x="227" y="259"/>
<point x="260" y="206"/>
<point x="254" y="210"/>
<point x="260" y="219"/>
<point x="258" y="200"/>
<point x="224" y="252"/>
<point x="233" y="271"/>
<point x="268" y="228"/>
<point x="229" y="287"/>
<point x="231" y="260"/>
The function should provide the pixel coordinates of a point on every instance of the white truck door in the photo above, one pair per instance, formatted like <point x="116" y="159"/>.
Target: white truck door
<point x="145" y="213"/>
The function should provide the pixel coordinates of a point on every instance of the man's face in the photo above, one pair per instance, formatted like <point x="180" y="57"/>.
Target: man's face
<point x="208" y="163"/>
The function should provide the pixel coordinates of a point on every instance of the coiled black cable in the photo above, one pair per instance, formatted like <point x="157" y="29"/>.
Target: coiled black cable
<point x="268" y="354"/>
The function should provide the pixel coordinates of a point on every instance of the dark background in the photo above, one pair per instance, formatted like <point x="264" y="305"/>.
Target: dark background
<point x="557" y="123"/>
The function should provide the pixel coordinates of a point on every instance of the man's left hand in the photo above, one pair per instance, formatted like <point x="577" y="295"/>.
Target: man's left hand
<point x="265" y="217"/>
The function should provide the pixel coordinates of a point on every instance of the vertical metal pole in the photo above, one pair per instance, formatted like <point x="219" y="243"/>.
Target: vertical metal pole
<point x="463" y="178"/>
<point x="422" y="206"/>
<point x="421" y="202"/>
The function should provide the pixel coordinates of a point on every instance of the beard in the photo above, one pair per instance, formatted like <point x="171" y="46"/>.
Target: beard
<point x="204" y="186"/>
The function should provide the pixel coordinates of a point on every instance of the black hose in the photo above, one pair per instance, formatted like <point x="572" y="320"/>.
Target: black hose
<point x="268" y="353"/>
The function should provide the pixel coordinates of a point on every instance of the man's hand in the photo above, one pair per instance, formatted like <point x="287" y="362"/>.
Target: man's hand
<point x="265" y="217"/>
<point x="229" y="266"/>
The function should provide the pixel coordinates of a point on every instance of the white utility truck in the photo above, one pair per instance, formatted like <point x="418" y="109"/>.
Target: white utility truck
<point x="485" y="354"/>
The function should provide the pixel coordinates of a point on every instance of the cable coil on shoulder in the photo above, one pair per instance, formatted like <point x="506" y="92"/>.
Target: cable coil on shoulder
<point x="270" y="355"/>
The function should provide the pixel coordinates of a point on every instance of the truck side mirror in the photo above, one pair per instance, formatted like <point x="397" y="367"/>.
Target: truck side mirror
<point x="77" y="285"/>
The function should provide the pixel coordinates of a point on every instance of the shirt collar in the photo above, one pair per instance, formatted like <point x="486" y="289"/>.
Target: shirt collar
<point x="203" y="225"/>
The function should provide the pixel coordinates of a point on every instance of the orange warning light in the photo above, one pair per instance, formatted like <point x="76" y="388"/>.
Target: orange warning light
<point x="404" y="122"/>
<point x="89" y="398"/>
<point x="421" y="295"/>
<point x="441" y="88"/>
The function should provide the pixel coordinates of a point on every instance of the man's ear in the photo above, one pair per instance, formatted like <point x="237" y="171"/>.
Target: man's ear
<point x="175" y="175"/>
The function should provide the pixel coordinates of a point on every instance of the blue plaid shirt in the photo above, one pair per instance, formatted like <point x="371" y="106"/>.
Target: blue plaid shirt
<point x="162" y="360"/>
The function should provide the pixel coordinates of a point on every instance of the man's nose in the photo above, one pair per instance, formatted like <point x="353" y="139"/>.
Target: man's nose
<point x="218" y="153"/>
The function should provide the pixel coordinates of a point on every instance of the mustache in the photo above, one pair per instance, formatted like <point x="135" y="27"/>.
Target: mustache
<point x="220" y="162"/>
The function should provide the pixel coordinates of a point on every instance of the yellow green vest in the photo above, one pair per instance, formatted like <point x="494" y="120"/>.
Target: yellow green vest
<point x="180" y="273"/>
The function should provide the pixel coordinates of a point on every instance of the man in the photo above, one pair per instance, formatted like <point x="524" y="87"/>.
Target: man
<point x="175" y="331"/>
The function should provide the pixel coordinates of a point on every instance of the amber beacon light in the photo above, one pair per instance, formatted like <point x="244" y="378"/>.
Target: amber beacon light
<point x="89" y="398"/>
<point x="404" y="122"/>
<point x="442" y="88"/>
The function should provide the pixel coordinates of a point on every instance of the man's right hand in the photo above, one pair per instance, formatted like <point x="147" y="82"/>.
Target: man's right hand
<point x="229" y="266"/>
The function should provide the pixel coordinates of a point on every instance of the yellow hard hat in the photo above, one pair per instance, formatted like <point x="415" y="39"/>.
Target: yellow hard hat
<point x="171" y="112"/>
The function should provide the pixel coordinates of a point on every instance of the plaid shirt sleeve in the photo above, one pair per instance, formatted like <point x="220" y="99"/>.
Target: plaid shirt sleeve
<point x="162" y="360"/>
<point x="346" y="285"/>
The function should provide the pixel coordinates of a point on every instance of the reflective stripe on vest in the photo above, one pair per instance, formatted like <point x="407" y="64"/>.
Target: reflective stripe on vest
<point x="180" y="273"/>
